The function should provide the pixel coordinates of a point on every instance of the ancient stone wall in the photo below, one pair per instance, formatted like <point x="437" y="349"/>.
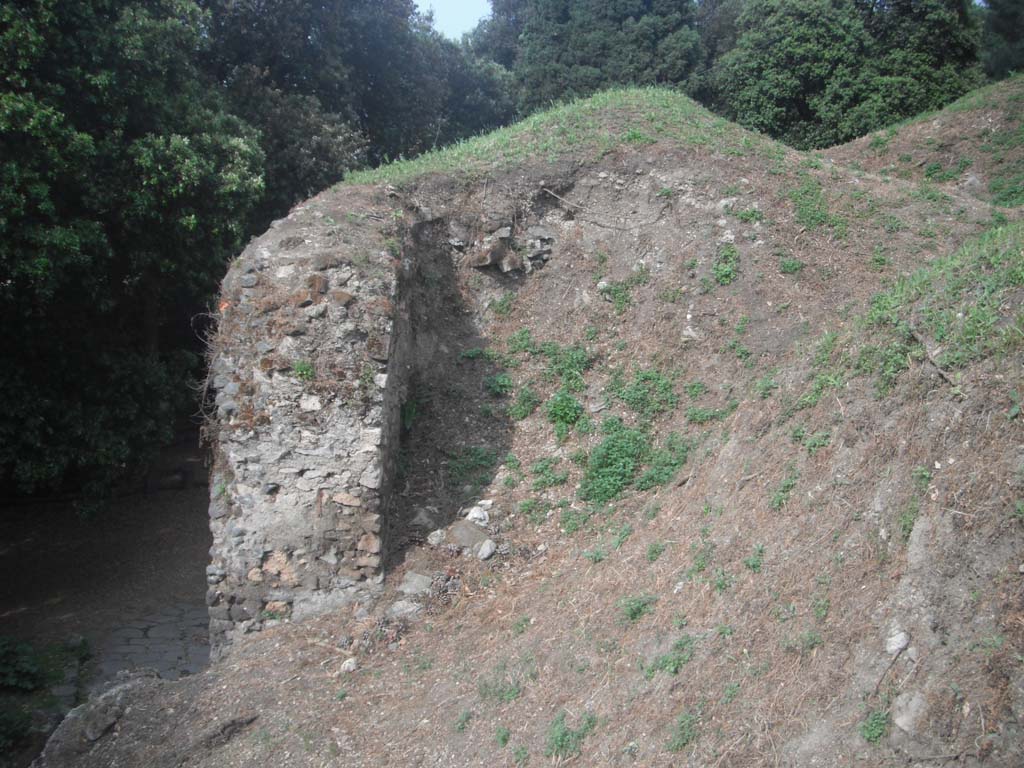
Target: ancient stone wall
<point x="309" y="380"/>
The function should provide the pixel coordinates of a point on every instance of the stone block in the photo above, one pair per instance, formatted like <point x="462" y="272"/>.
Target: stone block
<point x="301" y="299"/>
<point x="369" y="439"/>
<point x="346" y="499"/>
<point x="309" y="402"/>
<point x="378" y="346"/>
<point x="220" y="612"/>
<point x="370" y="523"/>
<point x="238" y="613"/>
<point x="304" y="471"/>
<point x="487" y="256"/>
<point x="415" y="584"/>
<point x="344" y="298"/>
<point x="380" y="307"/>
<point x="466" y="534"/>
<point x="324" y="261"/>
<point x="372" y="476"/>
<point x="278" y="607"/>
<point x="369" y="542"/>
<point x="317" y="284"/>
<point x="403" y="609"/>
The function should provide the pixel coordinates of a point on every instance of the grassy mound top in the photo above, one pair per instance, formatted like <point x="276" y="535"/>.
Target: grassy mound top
<point x="596" y="125"/>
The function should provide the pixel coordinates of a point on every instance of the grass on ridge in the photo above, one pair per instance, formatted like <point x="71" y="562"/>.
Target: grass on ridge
<point x="963" y="301"/>
<point x="987" y="97"/>
<point x="602" y="122"/>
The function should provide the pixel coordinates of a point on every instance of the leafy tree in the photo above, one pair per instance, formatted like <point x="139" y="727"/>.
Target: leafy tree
<point x="307" y="149"/>
<point x="399" y="92"/>
<point x="716" y="23"/>
<point x="789" y="52"/>
<point x="299" y="47"/>
<point x="812" y="72"/>
<point x="1003" y="48"/>
<point x="575" y="47"/>
<point x="924" y="54"/>
<point x="478" y="92"/>
<point x="818" y="72"/>
<point x="496" y="38"/>
<point x="123" y="187"/>
<point x="376" y="66"/>
<point x="286" y="70"/>
<point x="135" y="136"/>
<point x="406" y="74"/>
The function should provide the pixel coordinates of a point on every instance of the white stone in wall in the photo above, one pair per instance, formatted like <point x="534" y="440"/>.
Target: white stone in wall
<point x="371" y="477"/>
<point x="310" y="403"/>
<point x="369" y="439"/>
<point x="306" y="483"/>
<point x="322" y="451"/>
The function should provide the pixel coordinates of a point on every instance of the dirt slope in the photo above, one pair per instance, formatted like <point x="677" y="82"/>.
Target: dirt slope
<point x="783" y="524"/>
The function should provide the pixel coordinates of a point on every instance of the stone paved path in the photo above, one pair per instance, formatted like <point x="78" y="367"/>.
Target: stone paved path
<point x="172" y="640"/>
<point x="131" y="581"/>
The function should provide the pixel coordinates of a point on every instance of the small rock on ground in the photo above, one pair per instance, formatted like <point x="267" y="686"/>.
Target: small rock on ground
<point x="466" y="534"/>
<point x="403" y="609"/>
<point x="478" y="515"/>
<point x="436" y="539"/>
<point x="486" y="550"/>
<point x="908" y="710"/>
<point x="897" y="642"/>
<point x="415" y="584"/>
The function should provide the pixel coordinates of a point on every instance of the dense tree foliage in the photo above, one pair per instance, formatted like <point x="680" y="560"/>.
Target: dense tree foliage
<point x="125" y="185"/>
<point x="812" y="72"/>
<point x="140" y="142"/>
<point x="1003" y="50"/>
<point x="306" y="147"/>
<point x="923" y="54"/>
<point x="575" y="47"/>
<point x="792" y="61"/>
<point x="497" y="36"/>
<point x="717" y="24"/>
<point x="818" y="72"/>
<point x="376" y="65"/>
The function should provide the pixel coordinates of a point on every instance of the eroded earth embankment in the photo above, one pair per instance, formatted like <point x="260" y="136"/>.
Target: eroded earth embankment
<point x="694" y="451"/>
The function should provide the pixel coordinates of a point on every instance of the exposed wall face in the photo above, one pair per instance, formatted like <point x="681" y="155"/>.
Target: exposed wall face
<point x="309" y="385"/>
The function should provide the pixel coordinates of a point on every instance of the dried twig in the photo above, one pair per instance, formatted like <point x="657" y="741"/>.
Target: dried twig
<point x="891" y="665"/>
<point x="925" y="758"/>
<point x="931" y="359"/>
<point x="958" y="512"/>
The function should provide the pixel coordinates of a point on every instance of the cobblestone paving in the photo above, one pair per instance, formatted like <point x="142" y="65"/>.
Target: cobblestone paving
<point x="173" y="641"/>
